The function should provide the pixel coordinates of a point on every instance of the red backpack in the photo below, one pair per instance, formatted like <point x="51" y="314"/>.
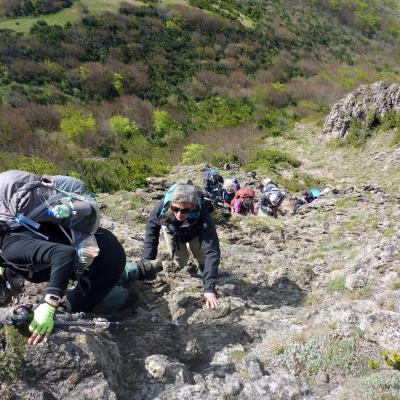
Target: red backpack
<point x="246" y="197"/>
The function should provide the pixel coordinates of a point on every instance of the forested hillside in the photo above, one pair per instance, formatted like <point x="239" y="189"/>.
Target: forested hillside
<point x="116" y="97"/>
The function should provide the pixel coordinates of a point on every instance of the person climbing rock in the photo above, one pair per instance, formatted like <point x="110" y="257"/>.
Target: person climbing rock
<point x="243" y="202"/>
<point x="308" y="197"/>
<point x="185" y="222"/>
<point x="53" y="236"/>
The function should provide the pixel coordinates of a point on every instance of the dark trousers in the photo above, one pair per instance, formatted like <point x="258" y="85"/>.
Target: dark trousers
<point x="59" y="259"/>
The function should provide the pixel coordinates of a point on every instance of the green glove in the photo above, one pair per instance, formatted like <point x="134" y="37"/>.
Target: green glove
<point x="43" y="319"/>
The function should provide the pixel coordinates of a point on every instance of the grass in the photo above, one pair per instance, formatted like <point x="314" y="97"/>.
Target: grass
<point x="72" y="14"/>
<point x="237" y="354"/>
<point x="336" y="285"/>
<point x="347" y="202"/>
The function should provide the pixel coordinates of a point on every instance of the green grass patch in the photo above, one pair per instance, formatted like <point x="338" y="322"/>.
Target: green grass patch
<point x="358" y="221"/>
<point x="68" y="15"/>
<point x="347" y="202"/>
<point x="362" y="293"/>
<point x="237" y="355"/>
<point x="336" y="285"/>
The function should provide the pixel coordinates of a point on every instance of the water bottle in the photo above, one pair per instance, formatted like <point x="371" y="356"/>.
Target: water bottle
<point x="60" y="211"/>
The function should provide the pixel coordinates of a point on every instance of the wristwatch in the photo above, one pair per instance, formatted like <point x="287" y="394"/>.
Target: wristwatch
<point x="52" y="300"/>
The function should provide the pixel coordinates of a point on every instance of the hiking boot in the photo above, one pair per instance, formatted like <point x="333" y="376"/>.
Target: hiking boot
<point x="116" y="300"/>
<point x="196" y="272"/>
<point x="130" y="273"/>
<point x="143" y="270"/>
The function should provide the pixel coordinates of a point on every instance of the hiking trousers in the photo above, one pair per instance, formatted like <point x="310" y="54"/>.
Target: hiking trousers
<point x="180" y="250"/>
<point x="59" y="259"/>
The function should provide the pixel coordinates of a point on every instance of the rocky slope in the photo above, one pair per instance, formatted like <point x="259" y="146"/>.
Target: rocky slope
<point x="309" y="302"/>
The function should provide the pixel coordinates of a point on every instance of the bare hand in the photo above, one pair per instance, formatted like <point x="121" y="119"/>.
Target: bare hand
<point x="210" y="299"/>
<point x="37" y="338"/>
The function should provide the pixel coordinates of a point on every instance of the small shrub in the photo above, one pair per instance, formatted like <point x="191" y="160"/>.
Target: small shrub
<point x="392" y="359"/>
<point x="373" y="364"/>
<point x="35" y="165"/>
<point x="391" y="120"/>
<point x="272" y="160"/>
<point x="373" y="120"/>
<point x="357" y="135"/>
<point x="13" y="346"/>
<point x="299" y="182"/>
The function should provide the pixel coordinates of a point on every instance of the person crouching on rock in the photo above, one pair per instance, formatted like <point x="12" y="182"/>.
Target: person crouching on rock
<point x="185" y="222"/>
<point x="53" y="235"/>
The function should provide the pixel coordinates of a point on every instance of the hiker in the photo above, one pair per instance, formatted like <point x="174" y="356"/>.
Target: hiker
<point x="213" y="182"/>
<point x="236" y="183"/>
<point x="185" y="222"/>
<point x="243" y="202"/>
<point x="228" y="192"/>
<point x="308" y="197"/>
<point x="267" y="185"/>
<point x="51" y="234"/>
<point x="270" y="202"/>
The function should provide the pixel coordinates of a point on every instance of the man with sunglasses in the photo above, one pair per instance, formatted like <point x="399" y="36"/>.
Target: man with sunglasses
<point x="185" y="222"/>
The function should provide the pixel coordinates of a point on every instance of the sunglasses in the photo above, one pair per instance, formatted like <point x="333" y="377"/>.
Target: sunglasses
<point x="181" y="210"/>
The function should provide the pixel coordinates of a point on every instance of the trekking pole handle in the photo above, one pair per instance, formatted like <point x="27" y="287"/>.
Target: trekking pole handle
<point x="21" y="315"/>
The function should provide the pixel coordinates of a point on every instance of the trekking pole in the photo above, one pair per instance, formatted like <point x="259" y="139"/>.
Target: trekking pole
<point x="22" y="315"/>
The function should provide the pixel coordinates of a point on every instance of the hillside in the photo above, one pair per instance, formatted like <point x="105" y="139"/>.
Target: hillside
<point x="82" y="97"/>
<point x="304" y="92"/>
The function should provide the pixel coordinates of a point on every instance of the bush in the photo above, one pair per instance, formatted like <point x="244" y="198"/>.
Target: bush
<point x="219" y="112"/>
<point x="193" y="154"/>
<point x="271" y="160"/>
<point x="164" y="123"/>
<point x="35" y="165"/>
<point x="276" y="123"/>
<point x="299" y="183"/>
<point x="12" y="363"/>
<point x="123" y="126"/>
<point x="114" y="175"/>
<point x="76" y="125"/>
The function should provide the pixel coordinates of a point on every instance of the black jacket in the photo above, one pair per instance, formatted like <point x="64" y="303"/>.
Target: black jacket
<point x="203" y="227"/>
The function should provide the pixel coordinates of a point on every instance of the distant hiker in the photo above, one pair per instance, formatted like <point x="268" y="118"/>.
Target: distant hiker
<point x="236" y="183"/>
<point x="213" y="182"/>
<point x="185" y="222"/>
<point x="267" y="185"/>
<point x="243" y="202"/>
<point x="228" y="191"/>
<point x="308" y="197"/>
<point x="270" y="202"/>
<point x="51" y="233"/>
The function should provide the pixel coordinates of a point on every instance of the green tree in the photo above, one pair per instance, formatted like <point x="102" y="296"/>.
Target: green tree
<point x="123" y="126"/>
<point x="77" y="124"/>
<point x="164" y="123"/>
<point x="194" y="153"/>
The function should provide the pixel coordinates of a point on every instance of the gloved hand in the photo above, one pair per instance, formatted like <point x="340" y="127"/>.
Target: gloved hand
<point x="42" y="323"/>
<point x="150" y="268"/>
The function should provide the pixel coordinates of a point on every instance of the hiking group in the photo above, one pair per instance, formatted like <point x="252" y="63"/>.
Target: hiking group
<point x="50" y="232"/>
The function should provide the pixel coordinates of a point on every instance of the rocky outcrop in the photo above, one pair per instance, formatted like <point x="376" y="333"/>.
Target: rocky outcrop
<point x="379" y="97"/>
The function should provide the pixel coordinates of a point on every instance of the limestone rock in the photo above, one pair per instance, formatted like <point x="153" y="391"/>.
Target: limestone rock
<point x="379" y="97"/>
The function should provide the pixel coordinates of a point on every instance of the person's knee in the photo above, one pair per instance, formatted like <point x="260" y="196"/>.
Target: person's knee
<point x="66" y="253"/>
